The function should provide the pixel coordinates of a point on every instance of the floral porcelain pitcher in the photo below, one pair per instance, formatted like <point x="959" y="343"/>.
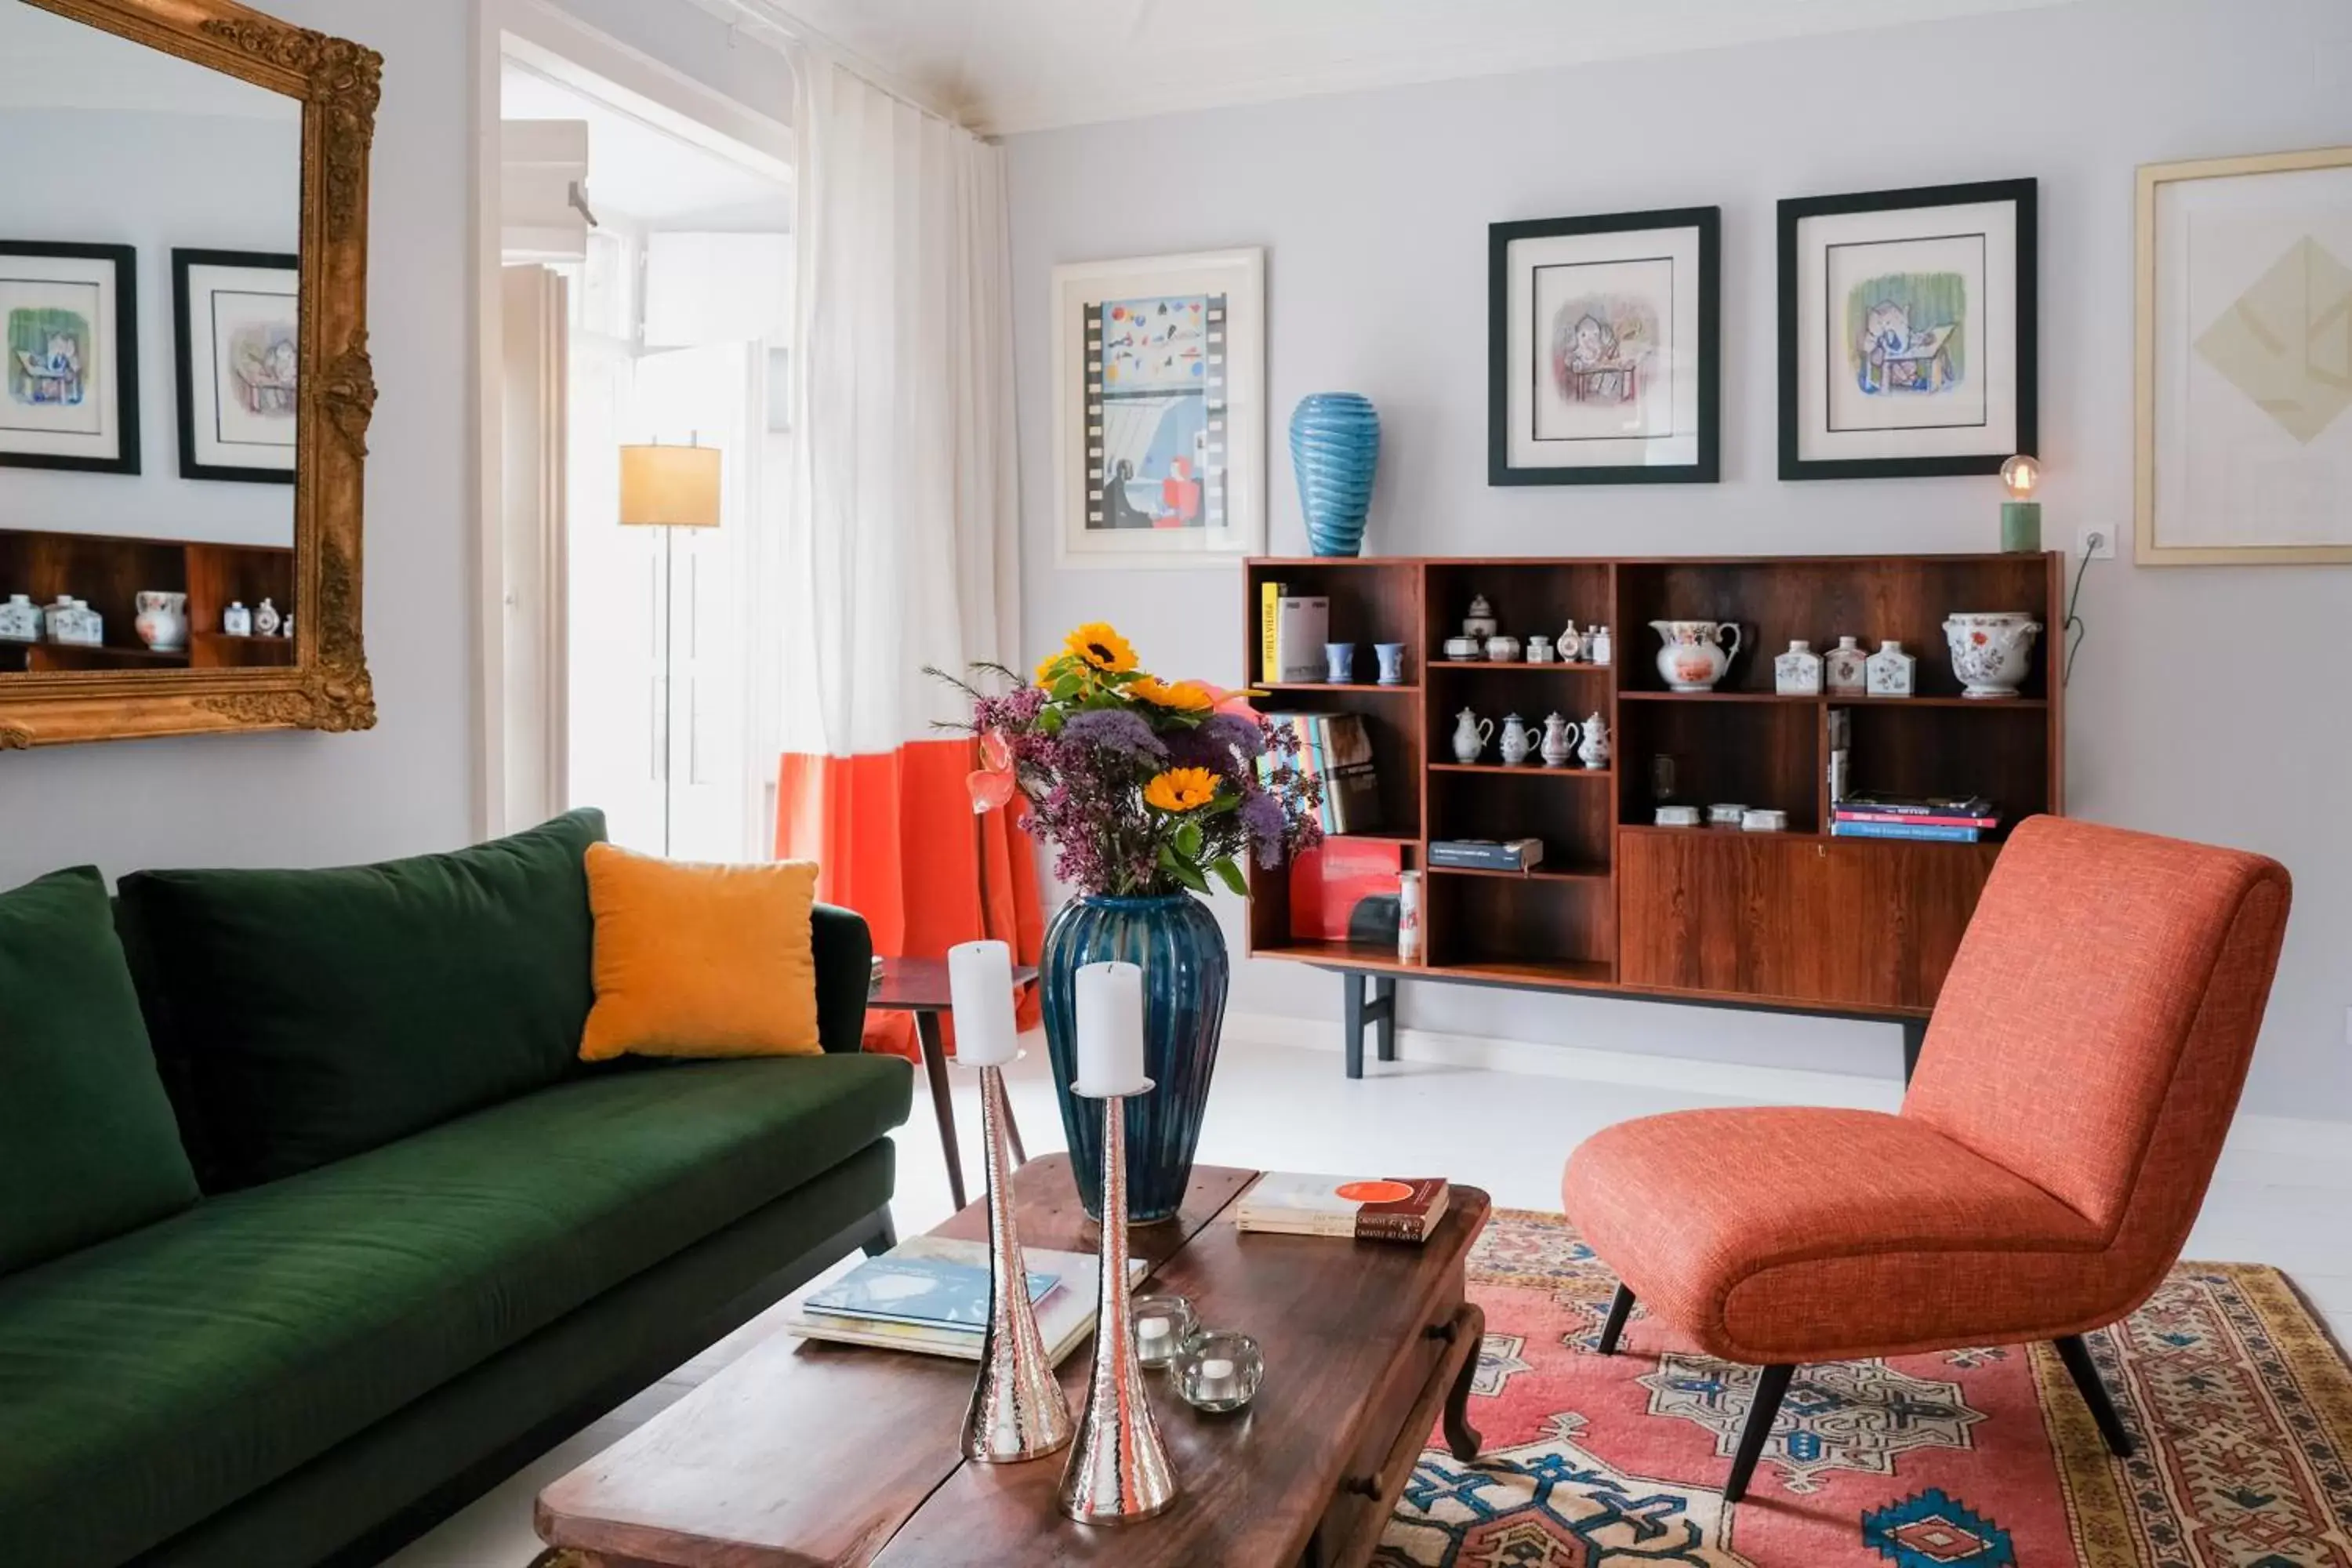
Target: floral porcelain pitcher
<point x="1471" y="734"/>
<point x="1694" y="655"/>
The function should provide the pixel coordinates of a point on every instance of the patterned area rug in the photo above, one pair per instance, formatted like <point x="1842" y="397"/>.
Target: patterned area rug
<point x="1982" y="1457"/>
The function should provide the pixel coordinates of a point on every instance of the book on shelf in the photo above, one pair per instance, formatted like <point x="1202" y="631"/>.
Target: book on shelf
<point x="1066" y="1318"/>
<point x="1840" y="774"/>
<point x="1921" y="805"/>
<point x="1914" y="827"/>
<point x="1377" y="1208"/>
<point x="1302" y="625"/>
<point x="1487" y="853"/>
<point x="1269" y="626"/>
<point x="928" y="1292"/>
<point x="1848" y="812"/>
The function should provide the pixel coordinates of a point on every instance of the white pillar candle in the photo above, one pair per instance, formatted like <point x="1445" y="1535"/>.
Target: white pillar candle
<point x="1153" y="1337"/>
<point x="980" y="985"/>
<point x="1110" y="1029"/>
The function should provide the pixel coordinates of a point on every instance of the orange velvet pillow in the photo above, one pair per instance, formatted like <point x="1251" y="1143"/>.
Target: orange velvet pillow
<point x="700" y="961"/>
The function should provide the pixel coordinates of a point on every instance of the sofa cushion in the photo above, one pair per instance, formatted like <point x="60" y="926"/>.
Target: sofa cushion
<point x="88" y="1145"/>
<point x="149" y="1381"/>
<point x="700" y="961"/>
<point x="313" y="1015"/>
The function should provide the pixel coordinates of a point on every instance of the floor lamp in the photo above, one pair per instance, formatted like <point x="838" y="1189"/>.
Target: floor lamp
<point x="668" y="488"/>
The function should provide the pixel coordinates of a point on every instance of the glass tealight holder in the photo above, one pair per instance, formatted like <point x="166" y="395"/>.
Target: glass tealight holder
<point x="1163" y="1325"/>
<point x="1219" y="1370"/>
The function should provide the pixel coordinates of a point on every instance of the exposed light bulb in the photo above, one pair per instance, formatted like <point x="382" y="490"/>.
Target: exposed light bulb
<point x="2020" y="473"/>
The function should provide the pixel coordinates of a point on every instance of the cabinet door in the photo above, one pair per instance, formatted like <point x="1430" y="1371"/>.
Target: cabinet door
<point x="1855" y="924"/>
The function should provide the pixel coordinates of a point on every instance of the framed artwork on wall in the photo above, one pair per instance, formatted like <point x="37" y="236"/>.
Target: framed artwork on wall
<point x="235" y="329"/>
<point x="1602" y="349"/>
<point x="1160" y="409"/>
<point x="1908" y="331"/>
<point x="70" y="391"/>
<point x="2245" y="360"/>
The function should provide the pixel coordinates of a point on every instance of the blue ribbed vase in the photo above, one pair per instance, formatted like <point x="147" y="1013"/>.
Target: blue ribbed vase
<point x="1335" y="448"/>
<point x="1177" y="943"/>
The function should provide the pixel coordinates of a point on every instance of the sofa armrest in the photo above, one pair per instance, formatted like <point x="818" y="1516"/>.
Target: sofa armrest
<point x="845" y="964"/>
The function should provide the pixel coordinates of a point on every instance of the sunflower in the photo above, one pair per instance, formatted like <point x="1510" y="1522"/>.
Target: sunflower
<point x="1184" y="696"/>
<point x="1099" y="644"/>
<point x="1048" y="667"/>
<point x="1181" y="789"/>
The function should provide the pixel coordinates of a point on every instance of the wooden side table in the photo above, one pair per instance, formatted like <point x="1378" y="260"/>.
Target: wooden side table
<point x="920" y="985"/>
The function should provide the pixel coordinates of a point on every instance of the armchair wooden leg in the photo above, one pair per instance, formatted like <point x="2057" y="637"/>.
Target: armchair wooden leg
<point x="2093" y="1390"/>
<point x="1772" y="1384"/>
<point x="1620" y="1307"/>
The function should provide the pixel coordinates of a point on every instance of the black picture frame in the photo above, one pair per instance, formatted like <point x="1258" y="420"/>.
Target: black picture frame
<point x="1500" y="236"/>
<point x="125" y="261"/>
<point x="2024" y="196"/>
<point x="184" y="361"/>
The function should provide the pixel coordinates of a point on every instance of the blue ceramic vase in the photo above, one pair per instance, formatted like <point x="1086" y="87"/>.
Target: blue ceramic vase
<point x="1177" y="943"/>
<point x="1335" y="447"/>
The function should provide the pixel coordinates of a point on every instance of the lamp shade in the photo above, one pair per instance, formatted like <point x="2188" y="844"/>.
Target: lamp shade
<point x="672" y="487"/>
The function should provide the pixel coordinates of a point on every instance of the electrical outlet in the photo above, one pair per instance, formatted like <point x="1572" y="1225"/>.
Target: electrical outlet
<point x="2095" y="544"/>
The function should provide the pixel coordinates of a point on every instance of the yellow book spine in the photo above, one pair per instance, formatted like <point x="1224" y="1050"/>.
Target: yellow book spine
<point x="1269" y="619"/>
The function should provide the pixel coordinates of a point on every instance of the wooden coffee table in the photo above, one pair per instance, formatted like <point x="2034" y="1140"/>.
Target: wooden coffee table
<point x="803" y="1454"/>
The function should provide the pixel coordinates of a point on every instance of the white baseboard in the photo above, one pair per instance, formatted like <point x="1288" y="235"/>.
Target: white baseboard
<point x="2251" y="1138"/>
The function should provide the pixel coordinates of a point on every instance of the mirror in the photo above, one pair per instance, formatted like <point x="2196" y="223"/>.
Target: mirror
<point x="185" y="391"/>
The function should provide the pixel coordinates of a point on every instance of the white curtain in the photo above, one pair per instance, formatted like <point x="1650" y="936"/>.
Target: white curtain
<point x="899" y="546"/>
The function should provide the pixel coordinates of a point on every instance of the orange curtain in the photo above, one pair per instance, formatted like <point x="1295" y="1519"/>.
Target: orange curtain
<point x="895" y="837"/>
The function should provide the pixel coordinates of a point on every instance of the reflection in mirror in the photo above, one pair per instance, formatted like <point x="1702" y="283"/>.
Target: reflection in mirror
<point x="150" y="217"/>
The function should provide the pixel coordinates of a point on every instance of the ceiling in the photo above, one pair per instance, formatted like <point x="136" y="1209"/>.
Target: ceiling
<point x="1007" y="66"/>
<point x="52" y="63"/>
<point x="640" y="171"/>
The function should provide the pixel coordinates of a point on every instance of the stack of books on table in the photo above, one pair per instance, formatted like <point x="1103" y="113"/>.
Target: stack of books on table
<point x="1362" y="1208"/>
<point x="1957" y="819"/>
<point x="930" y="1294"/>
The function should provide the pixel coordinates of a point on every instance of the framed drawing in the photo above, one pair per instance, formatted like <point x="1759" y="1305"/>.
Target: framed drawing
<point x="1908" y="331"/>
<point x="1160" y="409"/>
<point x="2245" y="360"/>
<point x="1602" y="349"/>
<point x="69" y="397"/>
<point x="236" y="331"/>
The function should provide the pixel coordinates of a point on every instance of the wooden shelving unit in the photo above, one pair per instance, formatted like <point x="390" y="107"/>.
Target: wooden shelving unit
<point x="1797" y="920"/>
<point x="109" y="571"/>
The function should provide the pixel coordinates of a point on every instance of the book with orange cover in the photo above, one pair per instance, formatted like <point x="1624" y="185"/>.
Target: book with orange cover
<point x="1376" y="1208"/>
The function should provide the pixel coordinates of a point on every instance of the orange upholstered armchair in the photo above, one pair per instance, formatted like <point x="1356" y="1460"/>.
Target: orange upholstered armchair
<point x="2070" y="1101"/>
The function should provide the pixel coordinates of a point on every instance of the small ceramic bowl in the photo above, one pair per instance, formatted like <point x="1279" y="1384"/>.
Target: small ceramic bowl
<point x="1765" y="821"/>
<point x="1463" y="647"/>
<point x="1721" y="815"/>
<point x="1678" y="816"/>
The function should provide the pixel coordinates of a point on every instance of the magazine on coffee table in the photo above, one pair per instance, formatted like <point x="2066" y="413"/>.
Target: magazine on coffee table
<point x="1066" y="1317"/>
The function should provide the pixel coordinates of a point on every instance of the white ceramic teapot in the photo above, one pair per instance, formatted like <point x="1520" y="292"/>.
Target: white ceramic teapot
<point x="1594" y="752"/>
<point x="163" y="620"/>
<point x="1559" y="737"/>
<point x="1695" y="655"/>
<point x="1471" y="734"/>
<point x="1520" y="740"/>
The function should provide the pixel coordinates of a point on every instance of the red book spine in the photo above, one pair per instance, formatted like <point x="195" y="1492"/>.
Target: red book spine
<point x="1846" y="816"/>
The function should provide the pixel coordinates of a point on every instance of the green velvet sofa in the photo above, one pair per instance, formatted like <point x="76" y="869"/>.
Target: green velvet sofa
<point x="316" y="1227"/>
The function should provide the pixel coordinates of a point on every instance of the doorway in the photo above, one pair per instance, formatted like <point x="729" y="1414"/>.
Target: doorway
<point x="646" y="295"/>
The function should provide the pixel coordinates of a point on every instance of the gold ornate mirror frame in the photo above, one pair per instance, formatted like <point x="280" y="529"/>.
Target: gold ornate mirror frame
<point x="326" y="686"/>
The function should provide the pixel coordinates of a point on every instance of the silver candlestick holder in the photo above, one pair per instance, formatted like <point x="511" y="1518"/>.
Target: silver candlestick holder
<point x="1119" y="1471"/>
<point x="1018" y="1409"/>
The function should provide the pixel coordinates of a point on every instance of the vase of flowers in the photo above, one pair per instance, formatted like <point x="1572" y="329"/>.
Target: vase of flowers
<point x="1150" y="792"/>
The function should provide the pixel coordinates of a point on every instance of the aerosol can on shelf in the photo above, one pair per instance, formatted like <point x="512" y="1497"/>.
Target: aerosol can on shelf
<point x="1408" y="917"/>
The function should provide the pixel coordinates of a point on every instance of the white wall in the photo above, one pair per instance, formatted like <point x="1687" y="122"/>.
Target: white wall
<point x="159" y="182"/>
<point x="2214" y="704"/>
<point x="409" y="785"/>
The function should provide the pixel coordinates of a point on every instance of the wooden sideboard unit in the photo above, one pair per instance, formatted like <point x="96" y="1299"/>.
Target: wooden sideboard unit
<point x="1796" y="921"/>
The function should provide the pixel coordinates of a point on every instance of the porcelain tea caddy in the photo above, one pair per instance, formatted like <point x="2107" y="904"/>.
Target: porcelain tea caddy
<point x="1798" y="672"/>
<point x="20" y="619"/>
<point x="1891" y="671"/>
<point x="1844" y="666"/>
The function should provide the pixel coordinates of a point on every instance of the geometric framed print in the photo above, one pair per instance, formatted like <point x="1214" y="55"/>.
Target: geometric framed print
<point x="1160" y="409"/>
<point x="1908" y="331"/>
<point x="2245" y="360"/>
<point x="1602" y="349"/>
<point x="236" y="337"/>
<point x="70" y="327"/>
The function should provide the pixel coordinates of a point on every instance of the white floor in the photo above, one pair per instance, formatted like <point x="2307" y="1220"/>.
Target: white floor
<point x="1507" y="1133"/>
